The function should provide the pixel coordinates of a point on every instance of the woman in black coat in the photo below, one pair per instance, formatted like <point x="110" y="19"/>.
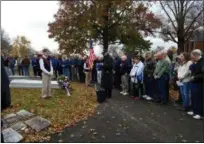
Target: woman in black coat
<point x="5" y="91"/>
<point x="107" y="75"/>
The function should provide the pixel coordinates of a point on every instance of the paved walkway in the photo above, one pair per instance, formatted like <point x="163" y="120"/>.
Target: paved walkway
<point x="123" y="120"/>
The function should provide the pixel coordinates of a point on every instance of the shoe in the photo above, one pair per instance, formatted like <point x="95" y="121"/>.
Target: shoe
<point x="144" y="96"/>
<point x="122" y="92"/>
<point x="197" y="117"/>
<point x="125" y="93"/>
<point x="148" y="98"/>
<point x="190" y="113"/>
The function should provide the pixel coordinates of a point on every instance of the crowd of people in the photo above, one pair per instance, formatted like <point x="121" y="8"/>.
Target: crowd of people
<point x="146" y="76"/>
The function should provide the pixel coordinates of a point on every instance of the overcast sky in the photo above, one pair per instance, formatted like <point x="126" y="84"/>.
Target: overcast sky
<point x="30" y="18"/>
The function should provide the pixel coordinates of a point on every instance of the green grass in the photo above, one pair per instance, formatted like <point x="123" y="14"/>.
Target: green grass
<point x="61" y="110"/>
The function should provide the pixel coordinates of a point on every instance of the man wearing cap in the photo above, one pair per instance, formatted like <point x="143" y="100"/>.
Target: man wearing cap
<point x="47" y="72"/>
<point x="161" y="74"/>
<point x="197" y="75"/>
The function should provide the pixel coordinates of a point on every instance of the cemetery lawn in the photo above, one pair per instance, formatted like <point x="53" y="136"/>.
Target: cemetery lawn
<point x="61" y="110"/>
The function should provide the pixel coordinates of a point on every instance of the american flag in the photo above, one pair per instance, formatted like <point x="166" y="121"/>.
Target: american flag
<point x="92" y="56"/>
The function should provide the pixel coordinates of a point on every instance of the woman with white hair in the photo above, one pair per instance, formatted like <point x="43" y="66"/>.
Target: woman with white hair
<point x="197" y="76"/>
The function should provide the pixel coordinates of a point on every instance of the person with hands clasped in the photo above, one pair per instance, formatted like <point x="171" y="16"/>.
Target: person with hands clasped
<point x="136" y="75"/>
<point x="161" y="74"/>
<point x="47" y="72"/>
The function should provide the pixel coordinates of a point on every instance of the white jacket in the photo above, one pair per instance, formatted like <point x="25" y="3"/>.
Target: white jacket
<point x="184" y="72"/>
<point x="137" y="71"/>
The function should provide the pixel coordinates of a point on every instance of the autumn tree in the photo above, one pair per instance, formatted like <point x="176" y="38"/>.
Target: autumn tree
<point x="107" y="22"/>
<point x="20" y="46"/>
<point x="183" y="18"/>
<point x="5" y="41"/>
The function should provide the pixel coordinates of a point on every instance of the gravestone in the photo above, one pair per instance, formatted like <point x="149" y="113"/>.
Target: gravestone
<point x="11" y="118"/>
<point x="24" y="77"/>
<point x="18" y="126"/>
<point x="11" y="136"/>
<point x="24" y="114"/>
<point x="38" y="123"/>
<point x="24" y="83"/>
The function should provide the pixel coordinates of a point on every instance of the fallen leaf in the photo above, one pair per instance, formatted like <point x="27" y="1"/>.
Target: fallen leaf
<point x="117" y="134"/>
<point x="72" y="135"/>
<point x="60" y="141"/>
<point x="95" y="133"/>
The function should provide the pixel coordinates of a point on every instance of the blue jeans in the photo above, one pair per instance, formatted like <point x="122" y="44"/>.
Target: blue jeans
<point x="65" y="72"/>
<point x="185" y="93"/>
<point x="26" y="70"/>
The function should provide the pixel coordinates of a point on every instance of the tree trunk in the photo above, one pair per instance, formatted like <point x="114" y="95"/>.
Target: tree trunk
<point x="105" y="29"/>
<point x="181" y="44"/>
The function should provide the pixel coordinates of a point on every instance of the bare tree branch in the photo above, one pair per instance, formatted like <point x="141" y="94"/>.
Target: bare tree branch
<point x="193" y="21"/>
<point x="168" y="15"/>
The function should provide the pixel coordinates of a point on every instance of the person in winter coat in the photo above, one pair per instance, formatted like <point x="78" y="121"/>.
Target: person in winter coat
<point x="161" y="75"/>
<point x="26" y="65"/>
<point x="124" y="69"/>
<point x="136" y="75"/>
<point x="34" y="65"/>
<point x="117" y="74"/>
<point x="184" y="75"/>
<point x="12" y="63"/>
<point x="5" y="92"/>
<point x="149" y="81"/>
<point x="81" y="69"/>
<point x="197" y="76"/>
<point x="65" y="66"/>
<point x="54" y="64"/>
<point x="107" y="75"/>
<point x="19" y="65"/>
<point x="59" y="65"/>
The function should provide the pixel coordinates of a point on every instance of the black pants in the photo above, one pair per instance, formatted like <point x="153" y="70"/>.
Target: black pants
<point x="81" y="75"/>
<point x="108" y="92"/>
<point x="117" y="80"/>
<point x="137" y="89"/>
<point x="55" y="73"/>
<point x="35" y="71"/>
<point x="2" y="138"/>
<point x="20" y="70"/>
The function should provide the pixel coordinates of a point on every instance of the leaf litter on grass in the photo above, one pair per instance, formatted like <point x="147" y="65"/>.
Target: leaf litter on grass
<point x="61" y="110"/>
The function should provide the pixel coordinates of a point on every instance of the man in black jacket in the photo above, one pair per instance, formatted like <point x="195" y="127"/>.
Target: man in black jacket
<point x="107" y="75"/>
<point x="197" y="73"/>
<point x="5" y="91"/>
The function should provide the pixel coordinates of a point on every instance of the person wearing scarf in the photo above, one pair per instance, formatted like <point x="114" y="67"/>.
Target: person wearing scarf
<point x="136" y="75"/>
<point x="47" y="72"/>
